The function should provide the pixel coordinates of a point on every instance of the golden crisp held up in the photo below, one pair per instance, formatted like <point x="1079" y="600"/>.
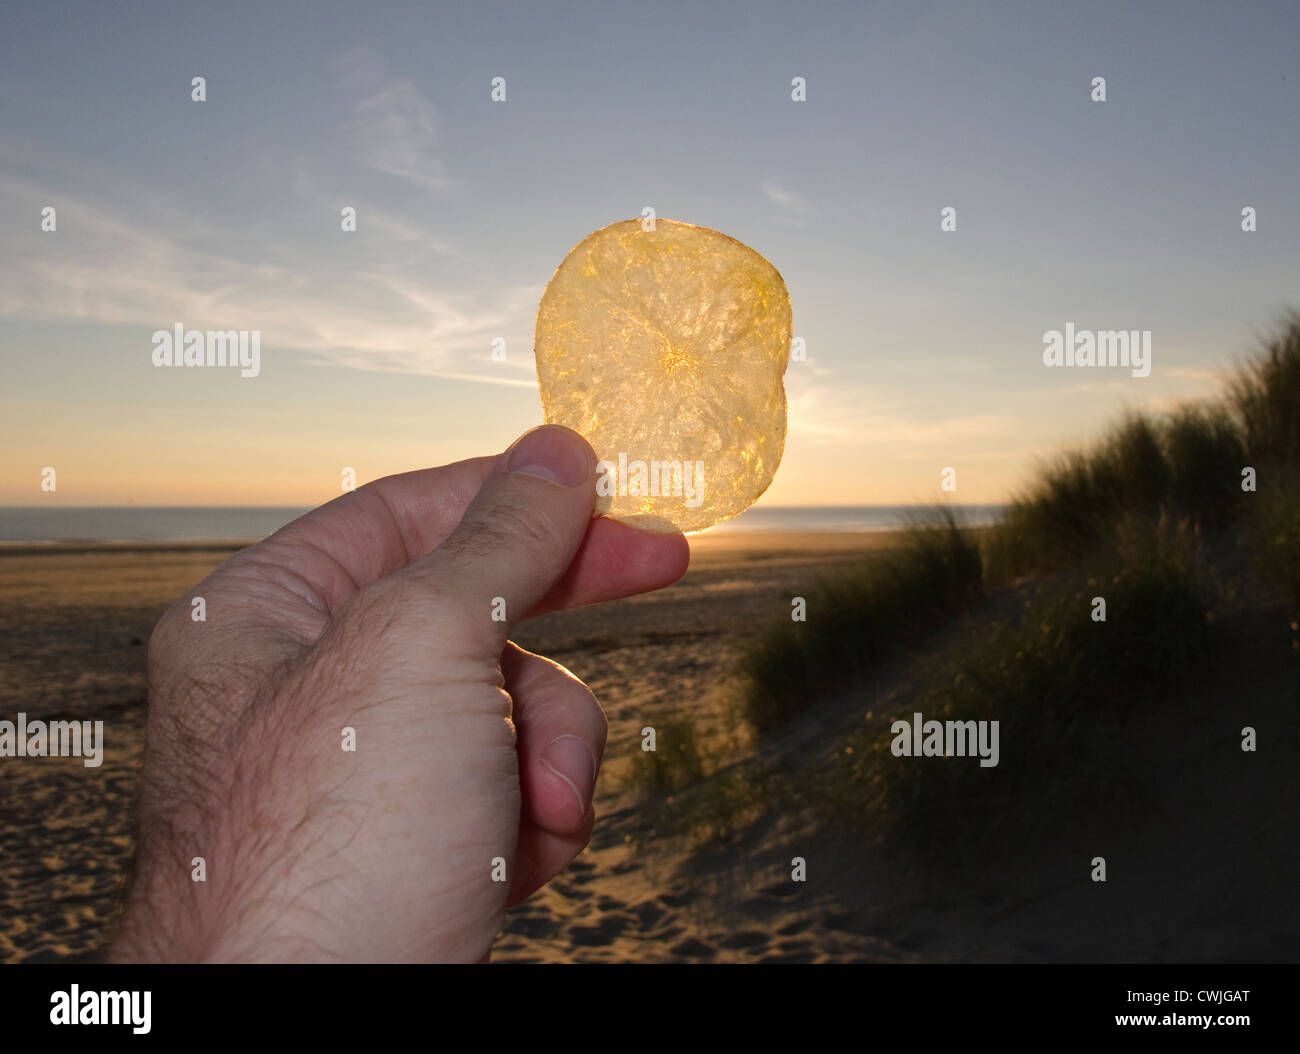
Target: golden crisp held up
<point x="665" y="348"/>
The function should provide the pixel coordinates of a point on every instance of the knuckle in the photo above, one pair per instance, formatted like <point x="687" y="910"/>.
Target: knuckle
<point x="507" y="526"/>
<point x="168" y="640"/>
<point x="382" y="606"/>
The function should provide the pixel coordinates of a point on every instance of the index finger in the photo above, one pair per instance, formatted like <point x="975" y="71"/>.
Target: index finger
<point x="380" y="528"/>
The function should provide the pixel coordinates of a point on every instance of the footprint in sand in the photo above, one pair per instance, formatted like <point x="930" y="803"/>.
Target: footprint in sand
<point x="781" y="890"/>
<point x="601" y="934"/>
<point x="533" y="925"/>
<point x="784" y="958"/>
<point x="693" y="949"/>
<point x="744" y="939"/>
<point x="648" y="913"/>
<point x="572" y="892"/>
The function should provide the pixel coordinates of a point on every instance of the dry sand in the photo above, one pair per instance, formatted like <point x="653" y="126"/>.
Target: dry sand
<point x="1206" y="875"/>
<point x="74" y="623"/>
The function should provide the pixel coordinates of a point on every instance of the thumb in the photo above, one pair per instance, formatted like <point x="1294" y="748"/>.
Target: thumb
<point x="516" y="539"/>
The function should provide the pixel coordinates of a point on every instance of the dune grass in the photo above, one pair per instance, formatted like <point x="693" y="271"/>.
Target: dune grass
<point x="1273" y="532"/>
<point x="1154" y="518"/>
<point x="1188" y="464"/>
<point x="1205" y="455"/>
<point x="857" y="623"/>
<point x="719" y="797"/>
<point x="1062" y="686"/>
<point x="677" y="760"/>
<point x="1264" y="396"/>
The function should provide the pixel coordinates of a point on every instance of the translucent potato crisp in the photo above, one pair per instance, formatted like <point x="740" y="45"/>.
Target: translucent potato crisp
<point x="666" y="348"/>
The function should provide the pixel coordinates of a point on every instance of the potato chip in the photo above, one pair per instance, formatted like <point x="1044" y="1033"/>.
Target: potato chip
<point x="666" y="349"/>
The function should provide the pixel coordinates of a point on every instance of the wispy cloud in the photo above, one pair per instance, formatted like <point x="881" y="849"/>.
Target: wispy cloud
<point x="416" y="241"/>
<point x="1196" y="374"/>
<point x="845" y="413"/>
<point x="393" y="126"/>
<point x="787" y="199"/>
<point x="127" y="271"/>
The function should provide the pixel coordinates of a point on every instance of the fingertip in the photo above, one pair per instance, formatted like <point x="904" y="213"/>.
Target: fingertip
<point x="554" y="453"/>
<point x="572" y="763"/>
<point x="658" y="559"/>
<point x="677" y="558"/>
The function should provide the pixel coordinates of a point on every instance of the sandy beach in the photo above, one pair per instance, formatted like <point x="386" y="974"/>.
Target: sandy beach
<point x="74" y="621"/>
<point x="1201" y="872"/>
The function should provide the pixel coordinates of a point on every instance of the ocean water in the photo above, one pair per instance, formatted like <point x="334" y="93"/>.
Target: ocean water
<point x="851" y="517"/>
<point x="142" y="524"/>
<point x="235" y="523"/>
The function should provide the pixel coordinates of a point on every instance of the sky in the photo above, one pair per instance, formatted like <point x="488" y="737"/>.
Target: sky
<point x="924" y="346"/>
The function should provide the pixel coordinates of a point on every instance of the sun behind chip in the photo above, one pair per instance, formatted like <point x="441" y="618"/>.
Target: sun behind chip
<point x="665" y="348"/>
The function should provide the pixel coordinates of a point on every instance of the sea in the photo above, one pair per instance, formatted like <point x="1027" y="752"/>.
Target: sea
<point x="124" y="524"/>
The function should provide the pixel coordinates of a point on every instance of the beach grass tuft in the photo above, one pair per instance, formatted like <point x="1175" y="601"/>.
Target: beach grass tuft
<point x="1176" y="521"/>
<point x="857" y="623"/>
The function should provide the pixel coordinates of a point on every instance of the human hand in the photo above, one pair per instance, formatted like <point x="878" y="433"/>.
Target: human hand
<point x="375" y="612"/>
